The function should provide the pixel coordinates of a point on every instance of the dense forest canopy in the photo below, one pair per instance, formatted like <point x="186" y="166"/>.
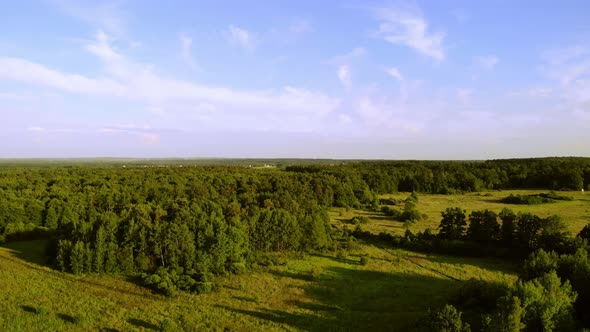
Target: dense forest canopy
<point x="189" y="221"/>
<point x="177" y="226"/>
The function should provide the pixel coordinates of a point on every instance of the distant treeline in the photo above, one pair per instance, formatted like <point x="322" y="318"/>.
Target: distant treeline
<point x="445" y="177"/>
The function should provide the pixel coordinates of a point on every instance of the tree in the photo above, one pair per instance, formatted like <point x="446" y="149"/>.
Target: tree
<point x="447" y="319"/>
<point x="547" y="303"/>
<point x="77" y="258"/>
<point x="527" y="230"/>
<point x="554" y="234"/>
<point x="483" y="226"/>
<point x="585" y="233"/>
<point x="452" y="225"/>
<point x="64" y="248"/>
<point x="509" y="315"/>
<point x="508" y="229"/>
<point x="538" y="264"/>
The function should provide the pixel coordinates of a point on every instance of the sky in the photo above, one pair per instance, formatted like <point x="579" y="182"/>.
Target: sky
<point x="296" y="79"/>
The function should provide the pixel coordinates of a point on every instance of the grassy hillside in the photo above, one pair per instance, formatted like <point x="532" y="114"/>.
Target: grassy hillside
<point x="317" y="293"/>
<point x="576" y="213"/>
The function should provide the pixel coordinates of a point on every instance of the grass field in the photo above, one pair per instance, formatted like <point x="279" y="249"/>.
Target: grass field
<point x="314" y="293"/>
<point x="576" y="213"/>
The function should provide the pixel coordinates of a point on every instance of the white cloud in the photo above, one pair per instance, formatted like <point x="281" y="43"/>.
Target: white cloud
<point x="394" y="72"/>
<point x="126" y="79"/>
<point x="487" y="61"/>
<point x="411" y="29"/>
<point x="28" y="72"/>
<point x="357" y="52"/>
<point x="35" y="129"/>
<point x="570" y="69"/>
<point x="241" y="37"/>
<point x="186" y="52"/>
<point x="146" y="134"/>
<point x="344" y="75"/>
<point x="104" y="15"/>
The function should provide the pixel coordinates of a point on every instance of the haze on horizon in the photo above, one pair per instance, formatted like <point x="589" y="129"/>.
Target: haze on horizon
<point x="297" y="79"/>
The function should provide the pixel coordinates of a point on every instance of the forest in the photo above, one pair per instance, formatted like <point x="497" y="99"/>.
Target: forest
<point x="178" y="227"/>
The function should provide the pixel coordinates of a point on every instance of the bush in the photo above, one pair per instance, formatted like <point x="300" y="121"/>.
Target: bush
<point x="315" y="273"/>
<point x="357" y="220"/>
<point x="535" y="199"/>
<point x="364" y="260"/>
<point x="204" y="287"/>
<point x="447" y="319"/>
<point x="238" y="268"/>
<point x="538" y="264"/>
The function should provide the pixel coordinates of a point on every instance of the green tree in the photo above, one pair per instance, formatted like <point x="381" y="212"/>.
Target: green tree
<point x="547" y="303"/>
<point x="483" y="226"/>
<point x="447" y="319"/>
<point x="509" y="315"/>
<point x="585" y="233"/>
<point x="508" y="228"/>
<point x="77" y="258"/>
<point x="452" y="225"/>
<point x="538" y="264"/>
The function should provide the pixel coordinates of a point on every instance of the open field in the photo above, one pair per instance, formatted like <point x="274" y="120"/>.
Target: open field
<point x="575" y="213"/>
<point x="317" y="293"/>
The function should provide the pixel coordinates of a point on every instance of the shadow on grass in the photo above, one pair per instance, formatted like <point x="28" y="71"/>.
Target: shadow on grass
<point x="32" y="251"/>
<point x="143" y="324"/>
<point x="352" y="299"/>
<point x="245" y="299"/>
<point x="68" y="318"/>
<point x="490" y="264"/>
<point x="30" y="309"/>
<point x="340" y="260"/>
<point x="303" y="321"/>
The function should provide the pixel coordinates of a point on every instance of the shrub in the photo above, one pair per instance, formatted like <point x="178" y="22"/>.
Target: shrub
<point x="447" y="319"/>
<point x="315" y="273"/>
<point x="238" y="268"/>
<point x="538" y="264"/>
<point x="364" y="260"/>
<point x="357" y="220"/>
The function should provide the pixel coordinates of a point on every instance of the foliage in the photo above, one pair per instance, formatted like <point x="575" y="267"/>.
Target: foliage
<point x="547" y="303"/>
<point x="452" y="225"/>
<point x="535" y="199"/>
<point x="447" y="319"/>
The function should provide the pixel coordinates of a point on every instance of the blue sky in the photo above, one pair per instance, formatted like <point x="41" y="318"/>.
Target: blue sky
<point x="311" y="79"/>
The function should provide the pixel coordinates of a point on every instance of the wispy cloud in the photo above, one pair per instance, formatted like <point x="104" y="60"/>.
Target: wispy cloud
<point x="104" y="15"/>
<point x="394" y="72"/>
<point x="146" y="134"/>
<point x="127" y="79"/>
<point x="186" y="50"/>
<point x="241" y="37"/>
<point x="344" y="75"/>
<point x="488" y="62"/>
<point x="411" y="29"/>
<point x="356" y="53"/>
<point x="569" y="67"/>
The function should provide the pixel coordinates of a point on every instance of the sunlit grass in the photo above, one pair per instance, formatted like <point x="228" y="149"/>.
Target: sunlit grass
<point x="316" y="292"/>
<point x="576" y="213"/>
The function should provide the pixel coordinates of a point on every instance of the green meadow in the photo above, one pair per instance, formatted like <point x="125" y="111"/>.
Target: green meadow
<point x="575" y="213"/>
<point x="309" y="292"/>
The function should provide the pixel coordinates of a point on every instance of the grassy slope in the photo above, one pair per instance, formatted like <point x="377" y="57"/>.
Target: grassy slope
<point x="575" y="213"/>
<point x="317" y="293"/>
